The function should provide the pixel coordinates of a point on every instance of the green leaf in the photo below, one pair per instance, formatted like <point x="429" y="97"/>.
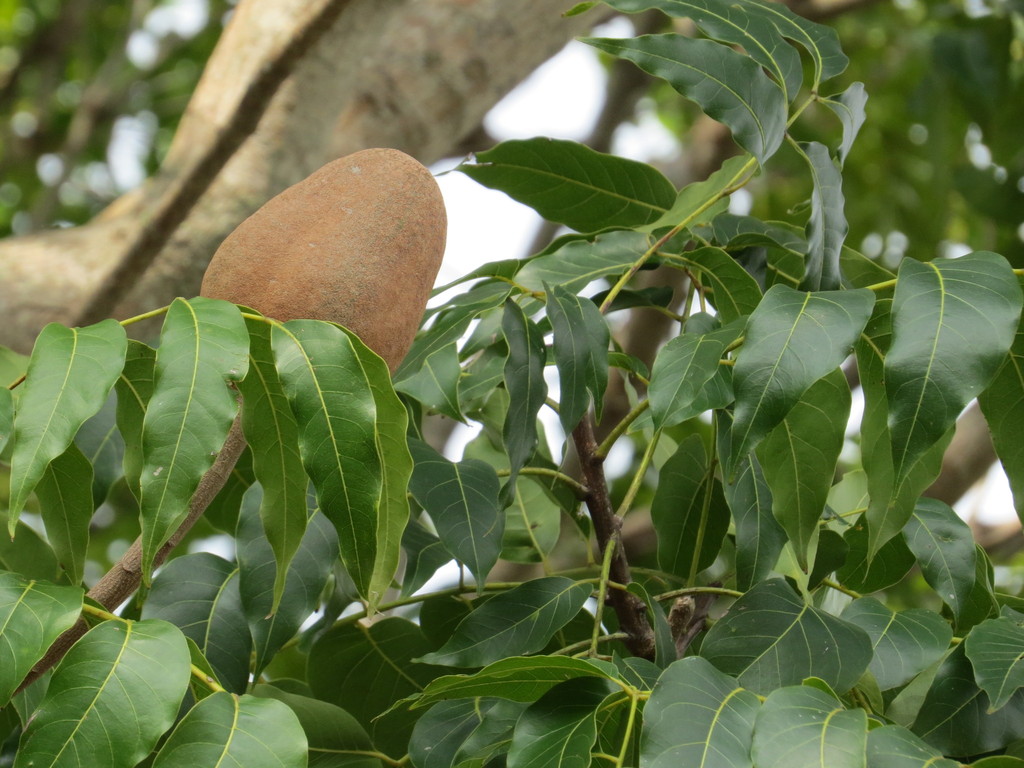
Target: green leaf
<point x="466" y="733"/>
<point x="518" y="678"/>
<point x="513" y="623"/>
<point x="729" y="86"/>
<point x="680" y="380"/>
<point x="893" y="746"/>
<point x="366" y="669"/>
<point x="799" y="459"/>
<point x="199" y="594"/>
<point x="732" y="291"/>
<point x="689" y="511"/>
<point x="771" y="638"/>
<point x="759" y="537"/>
<point x="827" y="227"/>
<point x="6" y="416"/>
<point x="392" y="421"/>
<point x="888" y="567"/>
<point x="334" y="404"/>
<point x="425" y="554"/>
<point x="436" y="383"/>
<point x="102" y="445"/>
<point x="996" y="650"/>
<point x="792" y="340"/>
<point x="32" y="616"/>
<point x="956" y="716"/>
<point x="66" y="504"/>
<point x="953" y="322"/>
<point x="579" y="262"/>
<point x="462" y="500"/>
<point x="110" y="699"/>
<point x="134" y="388"/>
<point x="571" y="184"/>
<point x="69" y="376"/>
<point x="905" y="643"/>
<point x="1003" y="405"/>
<point x="559" y="729"/>
<point x="305" y="578"/>
<point x="581" y="340"/>
<point x="29" y="555"/>
<point x="203" y="345"/>
<point x="527" y="391"/>
<point x="532" y="524"/>
<point x="698" y="717"/>
<point x="849" y="106"/>
<point x="807" y="727"/>
<point x="696" y="198"/>
<point x="336" y="739"/>
<point x="273" y="437"/>
<point x="944" y="547"/>
<point x="242" y="730"/>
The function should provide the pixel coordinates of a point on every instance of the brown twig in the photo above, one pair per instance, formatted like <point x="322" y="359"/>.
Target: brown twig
<point x="121" y="581"/>
<point x="189" y="186"/>
<point x="630" y="609"/>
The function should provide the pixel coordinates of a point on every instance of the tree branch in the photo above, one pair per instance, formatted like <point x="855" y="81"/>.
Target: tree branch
<point x="630" y="609"/>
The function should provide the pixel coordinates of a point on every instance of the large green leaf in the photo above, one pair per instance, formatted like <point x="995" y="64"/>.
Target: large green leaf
<point x="728" y="86"/>
<point x="199" y="594"/>
<point x="761" y="30"/>
<point x="102" y="445"/>
<point x="559" y="729"/>
<point x="305" y="580"/>
<point x="513" y="623"/>
<point x="69" y="376"/>
<point x="689" y="511"/>
<point x="771" y="638"/>
<point x="806" y="727"/>
<point x="112" y="697"/>
<point x="956" y="716"/>
<point x="273" y="437"/>
<point x="889" y="566"/>
<point x="893" y="746"/>
<point x="203" y="345"/>
<point x="904" y="643"/>
<point x="366" y="669"/>
<point x="334" y="404"/>
<point x="424" y="555"/>
<point x="944" y="547"/>
<point x="32" y="616"/>
<point x="891" y="500"/>
<point x="134" y="388"/>
<point x="532" y="524"/>
<point x="462" y="500"/>
<point x="235" y="730"/>
<point x="571" y="184"/>
<point x="792" y="340"/>
<point x="696" y="200"/>
<point x="436" y="383"/>
<point x="579" y="262"/>
<point x="953" y="322"/>
<point x="66" y="504"/>
<point x="827" y="227"/>
<point x="799" y="459"/>
<point x="849" y="106"/>
<point x="527" y="391"/>
<point x="465" y="733"/>
<point x="996" y="650"/>
<point x="732" y="291"/>
<point x="680" y="378"/>
<point x="698" y="717"/>
<point x="335" y="738"/>
<point x="518" y="678"/>
<point x="1003" y="406"/>
<point x="581" y="340"/>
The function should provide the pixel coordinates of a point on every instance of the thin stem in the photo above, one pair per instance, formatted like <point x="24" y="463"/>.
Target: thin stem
<point x="576" y="485"/>
<point x="602" y="593"/>
<point x="638" y="478"/>
<point x="584" y="645"/>
<point x="634" y="701"/>
<point x="606" y="445"/>
<point x="205" y="679"/>
<point x="145" y="316"/>
<point x="672" y="595"/>
<point x="99" y="613"/>
<point x="496" y="586"/>
<point x="888" y="284"/>
<point x="840" y="588"/>
<point x="17" y="382"/>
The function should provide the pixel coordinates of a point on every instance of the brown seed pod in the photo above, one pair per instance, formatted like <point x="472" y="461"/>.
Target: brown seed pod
<point x="358" y="242"/>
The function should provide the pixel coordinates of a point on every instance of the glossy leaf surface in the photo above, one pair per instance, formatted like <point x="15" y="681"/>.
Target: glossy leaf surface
<point x="996" y="650"/>
<point x="69" y="375"/>
<point x="578" y="263"/>
<point x="66" y="504"/>
<point x="134" y="388"/>
<point x="527" y="390"/>
<point x="804" y="726"/>
<point x="581" y="354"/>
<point x="827" y="227"/>
<point x="944" y="548"/>
<point x="893" y="746"/>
